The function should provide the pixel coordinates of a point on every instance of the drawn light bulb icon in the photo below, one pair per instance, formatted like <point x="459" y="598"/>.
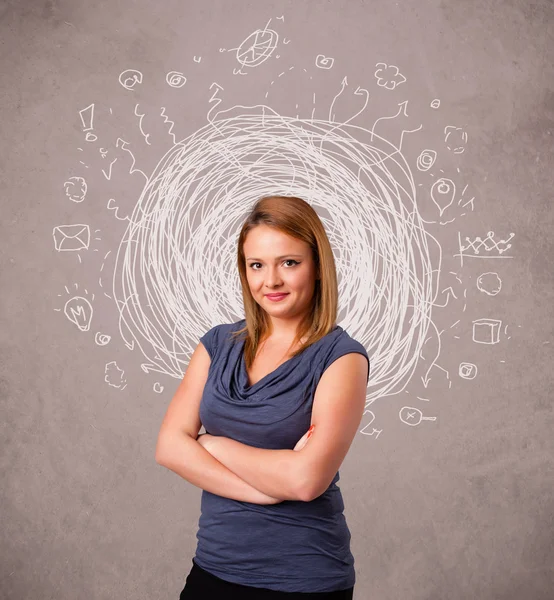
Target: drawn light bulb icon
<point x="79" y="311"/>
<point x="413" y="416"/>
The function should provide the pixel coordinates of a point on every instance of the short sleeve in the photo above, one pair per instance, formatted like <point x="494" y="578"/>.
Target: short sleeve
<point x="344" y="345"/>
<point x="210" y="339"/>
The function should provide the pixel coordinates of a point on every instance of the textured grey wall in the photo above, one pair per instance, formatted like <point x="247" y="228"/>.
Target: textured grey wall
<point x="458" y="321"/>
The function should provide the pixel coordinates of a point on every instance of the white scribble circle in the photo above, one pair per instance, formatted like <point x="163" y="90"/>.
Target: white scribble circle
<point x="426" y="160"/>
<point x="75" y="189"/>
<point x="130" y="78"/>
<point x="102" y="339"/>
<point x="176" y="273"/>
<point x="175" y="79"/>
<point x="324" y="62"/>
<point x="489" y="283"/>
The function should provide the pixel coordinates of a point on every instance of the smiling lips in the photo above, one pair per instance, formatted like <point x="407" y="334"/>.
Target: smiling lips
<point x="276" y="296"/>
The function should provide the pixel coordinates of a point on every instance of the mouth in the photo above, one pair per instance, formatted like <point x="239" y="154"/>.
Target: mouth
<point x="275" y="297"/>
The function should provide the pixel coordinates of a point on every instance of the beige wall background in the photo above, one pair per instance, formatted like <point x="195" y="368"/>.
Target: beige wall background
<point x="426" y="129"/>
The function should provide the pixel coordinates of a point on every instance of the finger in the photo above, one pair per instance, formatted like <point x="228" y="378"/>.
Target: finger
<point x="302" y="439"/>
<point x="300" y="444"/>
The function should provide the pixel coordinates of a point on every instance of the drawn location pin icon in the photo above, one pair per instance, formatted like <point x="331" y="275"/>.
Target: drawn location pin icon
<point x="79" y="311"/>
<point x="413" y="416"/>
<point x="442" y="193"/>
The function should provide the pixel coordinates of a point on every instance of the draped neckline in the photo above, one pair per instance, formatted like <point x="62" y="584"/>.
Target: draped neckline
<point x="244" y="373"/>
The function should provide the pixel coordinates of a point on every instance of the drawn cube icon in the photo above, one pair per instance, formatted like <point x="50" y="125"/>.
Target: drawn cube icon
<point x="486" y="331"/>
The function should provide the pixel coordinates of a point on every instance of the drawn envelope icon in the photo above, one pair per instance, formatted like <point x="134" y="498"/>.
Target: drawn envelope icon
<point x="71" y="237"/>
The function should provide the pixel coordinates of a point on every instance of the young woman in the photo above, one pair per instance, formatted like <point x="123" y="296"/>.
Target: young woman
<point x="272" y="522"/>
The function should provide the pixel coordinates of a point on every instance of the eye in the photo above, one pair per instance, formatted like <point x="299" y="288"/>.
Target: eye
<point x="289" y="260"/>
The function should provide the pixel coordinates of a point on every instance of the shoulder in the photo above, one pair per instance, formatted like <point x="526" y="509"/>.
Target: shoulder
<point x="339" y="344"/>
<point x="217" y="335"/>
<point x="226" y="327"/>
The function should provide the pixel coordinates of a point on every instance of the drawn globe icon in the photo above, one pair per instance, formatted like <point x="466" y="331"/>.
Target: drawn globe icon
<point x="257" y="47"/>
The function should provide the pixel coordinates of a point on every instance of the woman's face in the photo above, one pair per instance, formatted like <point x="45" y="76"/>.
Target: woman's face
<point x="277" y="262"/>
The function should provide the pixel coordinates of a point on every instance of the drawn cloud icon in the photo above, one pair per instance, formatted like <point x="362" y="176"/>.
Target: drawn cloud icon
<point x="388" y="76"/>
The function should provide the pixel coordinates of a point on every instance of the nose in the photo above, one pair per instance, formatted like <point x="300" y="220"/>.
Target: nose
<point x="273" y="279"/>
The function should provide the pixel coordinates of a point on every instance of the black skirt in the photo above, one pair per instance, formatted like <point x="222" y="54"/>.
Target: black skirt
<point x="200" y="585"/>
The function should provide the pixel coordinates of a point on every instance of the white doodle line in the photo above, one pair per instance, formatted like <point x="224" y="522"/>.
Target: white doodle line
<point x="120" y="143"/>
<point x="145" y="135"/>
<point x="230" y="138"/>
<point x="166" y="120"/>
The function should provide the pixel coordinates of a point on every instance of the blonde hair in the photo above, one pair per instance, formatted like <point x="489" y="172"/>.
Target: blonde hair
<point x="296" y="218"/>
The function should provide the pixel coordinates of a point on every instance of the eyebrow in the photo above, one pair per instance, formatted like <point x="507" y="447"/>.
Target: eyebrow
<point x="277" y="258"/>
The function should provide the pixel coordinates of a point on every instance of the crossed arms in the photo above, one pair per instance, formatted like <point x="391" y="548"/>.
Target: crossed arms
<point x="276" y="475"/>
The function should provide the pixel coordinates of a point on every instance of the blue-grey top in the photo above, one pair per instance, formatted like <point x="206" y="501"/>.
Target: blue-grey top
<point x="292" y="546"/>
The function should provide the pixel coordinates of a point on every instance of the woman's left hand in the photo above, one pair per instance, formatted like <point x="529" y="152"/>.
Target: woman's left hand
<point x="304" y="439"/>
<point x="205" y="440"/>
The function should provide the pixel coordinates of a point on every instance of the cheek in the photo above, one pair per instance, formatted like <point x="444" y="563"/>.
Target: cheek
<point x="298" y="280"/>
<point x="253" y="279"/>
